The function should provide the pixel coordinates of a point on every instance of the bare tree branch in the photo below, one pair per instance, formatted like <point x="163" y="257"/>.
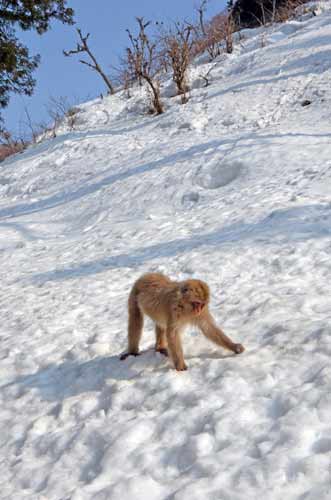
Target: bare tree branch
<point x="83" y="47"/>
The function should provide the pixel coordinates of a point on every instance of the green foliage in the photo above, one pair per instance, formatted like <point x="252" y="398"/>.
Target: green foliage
<point x="16" y="67"/>
<point x="16" y="64"/>
<point x="30" y="14"/>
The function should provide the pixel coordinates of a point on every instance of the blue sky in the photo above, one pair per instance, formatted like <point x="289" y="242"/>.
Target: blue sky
<point x="106" y="20"/>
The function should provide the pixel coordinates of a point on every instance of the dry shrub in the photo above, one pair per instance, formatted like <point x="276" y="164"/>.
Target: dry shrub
<point x="216" y="35"/>
<point x="143" y="63"/>
<point x="288" y="10"/>
<point x="9" y="145"/>
<point x="178" y="43"/>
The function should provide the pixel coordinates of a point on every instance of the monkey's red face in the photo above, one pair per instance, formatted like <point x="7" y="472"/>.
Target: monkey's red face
<point x="195" y="294"/>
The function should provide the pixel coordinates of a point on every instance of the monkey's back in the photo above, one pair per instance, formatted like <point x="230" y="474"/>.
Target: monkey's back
<point x="151" y="293"/>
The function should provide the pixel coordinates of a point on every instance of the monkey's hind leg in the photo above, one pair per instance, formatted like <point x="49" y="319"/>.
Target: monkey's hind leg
<point x="161" y="340"/>
<point x="135" y="327"/>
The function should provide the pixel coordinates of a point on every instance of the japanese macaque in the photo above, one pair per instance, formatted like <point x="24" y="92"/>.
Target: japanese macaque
<point x="172" y="305"/>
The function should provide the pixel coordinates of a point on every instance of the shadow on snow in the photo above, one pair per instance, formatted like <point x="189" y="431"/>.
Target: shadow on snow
<point x="74" y="377"/>
<point x="62" y="198"/>
<point x="293" y="224"/>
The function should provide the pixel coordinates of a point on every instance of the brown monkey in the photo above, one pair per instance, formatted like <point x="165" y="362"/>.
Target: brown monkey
<point x="172" y="305"/>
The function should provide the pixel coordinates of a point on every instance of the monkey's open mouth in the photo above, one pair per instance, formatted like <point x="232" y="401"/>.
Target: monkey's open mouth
<point x="197" y="307"/>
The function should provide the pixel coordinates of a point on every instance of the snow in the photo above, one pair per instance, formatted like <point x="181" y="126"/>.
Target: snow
<point x="232" y="188"/>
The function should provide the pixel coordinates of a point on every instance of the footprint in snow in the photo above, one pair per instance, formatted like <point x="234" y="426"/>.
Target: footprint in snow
<point x="190" y="199"/>
<point x="216" y="175"/>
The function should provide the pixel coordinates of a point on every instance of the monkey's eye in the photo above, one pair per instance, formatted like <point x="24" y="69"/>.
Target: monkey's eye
<point x="185" y="289"/>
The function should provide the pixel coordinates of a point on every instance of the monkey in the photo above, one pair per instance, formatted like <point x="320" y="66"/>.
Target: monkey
<point x="172" y="305"/>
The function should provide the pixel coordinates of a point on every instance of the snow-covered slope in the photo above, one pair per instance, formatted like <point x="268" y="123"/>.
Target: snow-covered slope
<point x="233" y="188"/>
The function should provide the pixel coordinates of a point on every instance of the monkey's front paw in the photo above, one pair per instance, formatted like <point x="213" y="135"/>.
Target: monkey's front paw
<point x="181" y="367"/>
<point x="127" y="354"/>
<point x="238" y="348"/>
<point x="163" y="350"/>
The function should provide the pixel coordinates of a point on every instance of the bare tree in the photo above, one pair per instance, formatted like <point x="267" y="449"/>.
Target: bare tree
<point x="229" y="29"/>
<point x="209" y="39"/>
<point x="71" y="116"/>
<point x="82" y="46"/>
<point x="206" y="77"/>
<point x="123" y="76"/>
<point x="263" y="12"/>
<point x="201" y="9"/>
<point x="61" y="110"/>
<point x="288" y="9"/>
<point x="213" y="35"/>
<point x="225" y="28"/>
<point x="208" y="33"/>
<point x="34" y="129"/>
<point x="143" y="62"/>
<point x="273" y="13"/>
<point x="178" y="45"/>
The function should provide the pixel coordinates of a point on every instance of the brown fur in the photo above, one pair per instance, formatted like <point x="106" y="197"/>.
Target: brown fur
<point x="172" y="305"/>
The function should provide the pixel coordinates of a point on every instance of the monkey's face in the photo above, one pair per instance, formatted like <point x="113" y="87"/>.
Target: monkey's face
<point x="195" y="296"/>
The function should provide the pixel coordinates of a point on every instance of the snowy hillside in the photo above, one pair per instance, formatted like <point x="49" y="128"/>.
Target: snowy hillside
<point x="233" y="188"/>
